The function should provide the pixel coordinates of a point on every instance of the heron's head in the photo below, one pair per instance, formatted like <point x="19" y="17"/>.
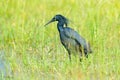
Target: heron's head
<point x="58" y="18"/>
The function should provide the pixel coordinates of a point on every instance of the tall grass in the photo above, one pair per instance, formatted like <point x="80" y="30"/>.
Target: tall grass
<point x="35" y="52"/>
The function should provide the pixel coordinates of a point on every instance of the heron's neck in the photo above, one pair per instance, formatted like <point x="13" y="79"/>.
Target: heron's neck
<point x="60" y="26"/>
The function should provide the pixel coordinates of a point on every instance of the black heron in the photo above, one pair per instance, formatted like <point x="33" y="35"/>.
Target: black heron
<point x="70" y="39"/>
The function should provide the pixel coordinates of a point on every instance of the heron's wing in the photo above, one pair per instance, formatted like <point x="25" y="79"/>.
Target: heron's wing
<point x="74" y="35"/>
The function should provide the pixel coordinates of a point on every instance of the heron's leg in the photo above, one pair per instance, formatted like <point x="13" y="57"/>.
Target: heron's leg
<point x="69" y="53"/>
<point x="66" y="47"/>
<point x="86" y="54"/>
<point x="81" y="53"/>
<point x="80" y="56"/>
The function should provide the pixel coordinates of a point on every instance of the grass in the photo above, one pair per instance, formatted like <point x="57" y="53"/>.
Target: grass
<point x="34" y="52"/>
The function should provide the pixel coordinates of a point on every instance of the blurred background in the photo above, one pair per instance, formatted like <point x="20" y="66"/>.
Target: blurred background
<point x="31" y="51"/>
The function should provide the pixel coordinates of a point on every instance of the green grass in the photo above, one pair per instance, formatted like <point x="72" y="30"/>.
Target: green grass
<point x="35" y="52"/>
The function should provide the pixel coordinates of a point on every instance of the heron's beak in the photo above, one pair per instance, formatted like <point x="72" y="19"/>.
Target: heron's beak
<point x="50" y="21"/>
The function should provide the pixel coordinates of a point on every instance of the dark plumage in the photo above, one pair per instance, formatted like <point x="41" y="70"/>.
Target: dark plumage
<point x="70" y="39"/>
